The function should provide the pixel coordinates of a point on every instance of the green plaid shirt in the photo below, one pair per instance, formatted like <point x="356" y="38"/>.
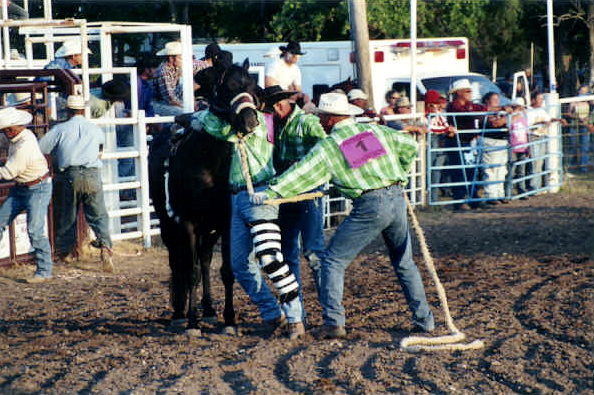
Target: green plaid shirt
<point x="258" y="148"/>
<point x="326" y="162"/>
<point x="298" y="136"/>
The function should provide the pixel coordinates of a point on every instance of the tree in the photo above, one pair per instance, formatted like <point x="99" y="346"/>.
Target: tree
<point x="579" y="13"/>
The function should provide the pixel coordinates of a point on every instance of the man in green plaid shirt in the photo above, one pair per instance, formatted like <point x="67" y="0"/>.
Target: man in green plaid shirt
<point x="255" y="227"/>
<point x="367" y="163"/>
<point x="295" y="134"/>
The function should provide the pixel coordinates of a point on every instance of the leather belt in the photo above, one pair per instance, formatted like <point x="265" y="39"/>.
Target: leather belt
<point x="235" y="189"/>
<point x="36" y="181"/>
<point x="386" y="187"/>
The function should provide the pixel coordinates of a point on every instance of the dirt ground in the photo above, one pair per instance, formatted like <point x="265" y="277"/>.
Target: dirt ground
<point x="519" y="277"/>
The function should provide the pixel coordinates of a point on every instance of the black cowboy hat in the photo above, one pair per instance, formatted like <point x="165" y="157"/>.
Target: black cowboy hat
<point x="292" y="47"/>
<point x="116" y="90"/>
<point x="211" y="51"/>
<point x="273" y="94"/>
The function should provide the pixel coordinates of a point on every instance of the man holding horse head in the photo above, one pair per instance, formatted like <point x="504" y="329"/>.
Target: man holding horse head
<point x="255" y="227"/>
<point x="295" y="133"/>
<point x="368" y="164"/>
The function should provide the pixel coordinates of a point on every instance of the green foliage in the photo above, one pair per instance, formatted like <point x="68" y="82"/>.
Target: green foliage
<point x="309" y="20"/>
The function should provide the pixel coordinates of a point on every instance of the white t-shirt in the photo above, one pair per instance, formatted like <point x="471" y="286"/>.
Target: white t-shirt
<point x="285" y="74"/>
<point x="538" y="115"/>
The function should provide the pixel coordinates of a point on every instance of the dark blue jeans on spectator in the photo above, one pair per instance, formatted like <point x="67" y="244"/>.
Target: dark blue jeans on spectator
<point x="76" y="185"/>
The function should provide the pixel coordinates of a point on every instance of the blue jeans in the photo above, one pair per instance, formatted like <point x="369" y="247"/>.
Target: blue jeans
<point x="34" y="200"/>
<point x="304" y="218"/>
<point x="382" y="211"/>
<point x="246" y="271"/>
<point x="74" y="186"/>
<point x="580" y="147"/>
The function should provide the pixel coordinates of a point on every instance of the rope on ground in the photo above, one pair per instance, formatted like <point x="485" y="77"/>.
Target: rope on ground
<point x="449" y="342"/>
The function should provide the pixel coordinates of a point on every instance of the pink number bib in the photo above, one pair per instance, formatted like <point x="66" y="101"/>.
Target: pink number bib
<point x="362" y="148"/>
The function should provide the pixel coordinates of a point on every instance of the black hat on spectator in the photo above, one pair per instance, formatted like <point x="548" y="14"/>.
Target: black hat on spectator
<point x="211" y="51"/>
<point x="116" y="90"/>
<point x="292" y="47"/>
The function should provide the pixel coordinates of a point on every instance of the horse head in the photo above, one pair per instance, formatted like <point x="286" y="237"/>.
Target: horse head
<point x="236" y="98"/>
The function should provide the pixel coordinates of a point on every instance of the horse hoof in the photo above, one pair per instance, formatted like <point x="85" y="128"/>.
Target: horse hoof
<point x="231" y="331"/>
<point x="210" y="320"/>
<point x="193" y="332"/>
<point x="178" y="323"/>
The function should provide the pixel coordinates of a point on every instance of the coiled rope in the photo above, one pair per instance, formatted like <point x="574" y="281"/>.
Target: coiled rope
<point x="447" y="342"/>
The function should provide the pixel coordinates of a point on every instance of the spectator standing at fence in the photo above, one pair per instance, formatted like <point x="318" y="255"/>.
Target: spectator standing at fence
<point x="411" y="125"/>
<point x="360" y="99"/>
<point x="539" y="121"/>
<point x="77" y="145"/>
<point x="295" y="133"/>
<point x="368" y="164"/>
<point x="441" y="131"/>
<point x="467" y="127"/>
<point x="27" y="166"/>
<point x="495" y="150"/>
<point x="580" y="145"/>
<point x="518" y="137"/>
<point x="391" y="97"/>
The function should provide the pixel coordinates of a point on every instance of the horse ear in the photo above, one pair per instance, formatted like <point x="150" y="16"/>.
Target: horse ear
<point x="246" y="63"/>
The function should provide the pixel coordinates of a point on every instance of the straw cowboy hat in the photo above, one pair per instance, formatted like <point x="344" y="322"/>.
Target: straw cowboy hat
<point x="75" y="102"/>
<point x="70" y="47"/>
<point x="172" y="48"/>
<point x="273" y="94"/>
<point x="462" y="83"/>
<point x="355" y="94"/>
<point x="292" y="47"/>
<point x="12" y="117"/>
<point x="336" y="104"/>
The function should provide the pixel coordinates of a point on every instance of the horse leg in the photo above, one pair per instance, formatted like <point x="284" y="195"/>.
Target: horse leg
<point x="170" y="233"/>
<point x="228" y="280"/>
<point x="208" y="240"/>
<point x="193" y="275"/>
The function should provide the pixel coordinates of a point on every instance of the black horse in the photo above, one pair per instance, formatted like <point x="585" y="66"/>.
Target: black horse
<point x="198" y="210"/>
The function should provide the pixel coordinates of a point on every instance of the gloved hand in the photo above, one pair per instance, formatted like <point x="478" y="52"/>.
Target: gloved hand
<point x="258" y="198"/>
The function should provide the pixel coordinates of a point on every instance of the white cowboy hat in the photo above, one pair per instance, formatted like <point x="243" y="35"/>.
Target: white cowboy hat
<point x="462" y="83"/>
<point x="12" y="117"/>
<point x="15" y="99"/>
<point x="355" y="94"/>
<point x="70" y="47"/>
<point x="336" y="104"/>
<point x="519" y="102"/>
<point x="171" y="48"/>
<point x="75" y="102"/>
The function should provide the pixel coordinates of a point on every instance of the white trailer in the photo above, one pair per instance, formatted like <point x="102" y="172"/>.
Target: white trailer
<point x="331" y="62"/>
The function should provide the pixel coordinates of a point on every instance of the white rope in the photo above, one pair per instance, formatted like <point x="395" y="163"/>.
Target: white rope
<point x="448" y="342"/>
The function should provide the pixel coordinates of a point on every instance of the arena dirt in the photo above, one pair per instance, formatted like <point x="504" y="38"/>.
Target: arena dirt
<point x="518" y="276"/>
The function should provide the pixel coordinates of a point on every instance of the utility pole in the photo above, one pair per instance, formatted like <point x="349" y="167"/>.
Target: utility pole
<point x="360" y="35"/>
